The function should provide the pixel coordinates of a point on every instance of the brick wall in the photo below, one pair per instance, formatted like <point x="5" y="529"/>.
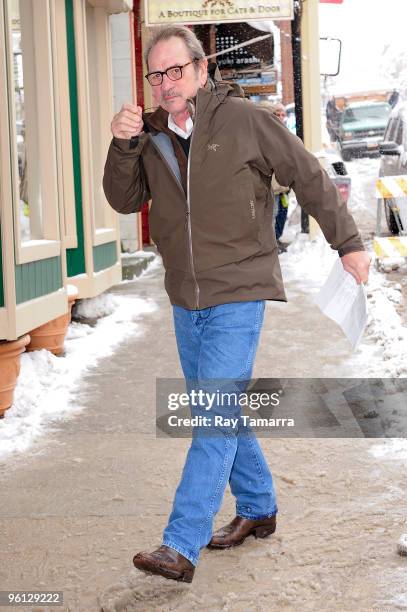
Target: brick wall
<point x="286" y="62"/>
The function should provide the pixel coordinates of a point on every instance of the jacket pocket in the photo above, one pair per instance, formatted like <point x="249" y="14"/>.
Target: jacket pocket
<point x="247" y="212"/>
<point x="169" y="233"/>
<point x="227" y="228"/>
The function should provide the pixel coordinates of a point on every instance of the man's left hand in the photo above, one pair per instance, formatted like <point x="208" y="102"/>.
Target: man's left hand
<point x="357" y="264"/>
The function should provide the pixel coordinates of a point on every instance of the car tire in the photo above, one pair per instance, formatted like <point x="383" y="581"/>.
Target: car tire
<point x="390" y="218"/>
<point x="346" y="155"/>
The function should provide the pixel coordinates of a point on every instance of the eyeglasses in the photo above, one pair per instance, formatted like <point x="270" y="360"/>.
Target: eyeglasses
<point x="174" y="73"/>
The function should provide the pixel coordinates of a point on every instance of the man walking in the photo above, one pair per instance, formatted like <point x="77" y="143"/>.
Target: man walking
<point x="206" y="157"/>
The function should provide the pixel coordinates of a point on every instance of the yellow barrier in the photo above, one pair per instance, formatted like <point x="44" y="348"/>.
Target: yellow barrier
<point x="394" y="190"/>
<point x="391" y="187"/>
<point x="390" y="246"/>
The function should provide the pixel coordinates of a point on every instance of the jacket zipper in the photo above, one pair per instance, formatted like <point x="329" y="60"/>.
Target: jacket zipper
<point x="191" y="256"/>
<point x="188" y="212"/>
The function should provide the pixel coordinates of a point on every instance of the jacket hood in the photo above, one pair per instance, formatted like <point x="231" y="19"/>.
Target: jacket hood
<point x="222" y="89"/>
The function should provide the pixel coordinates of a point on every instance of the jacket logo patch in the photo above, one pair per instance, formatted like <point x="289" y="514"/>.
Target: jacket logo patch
<point x="252" y="209"/>
<point x="213" y="147"/>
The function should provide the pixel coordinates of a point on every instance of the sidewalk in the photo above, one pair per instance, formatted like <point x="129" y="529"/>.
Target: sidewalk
<point x="77" y="507"/>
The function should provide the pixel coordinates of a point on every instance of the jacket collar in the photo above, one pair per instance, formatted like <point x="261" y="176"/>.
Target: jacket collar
<point x="208" y="97"/>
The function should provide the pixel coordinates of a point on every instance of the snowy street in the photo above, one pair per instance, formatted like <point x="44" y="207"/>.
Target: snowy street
<point x="87" y="489"/>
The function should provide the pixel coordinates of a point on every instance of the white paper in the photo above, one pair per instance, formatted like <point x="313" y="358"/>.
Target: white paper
<point x="344" y="301"/>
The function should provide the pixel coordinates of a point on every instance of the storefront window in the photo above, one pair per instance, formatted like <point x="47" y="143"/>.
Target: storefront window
<point x="98" y="67"/>
<point x="29" y="96"/>
<point x="95" y="102"/>
<point x="26" y="111"/>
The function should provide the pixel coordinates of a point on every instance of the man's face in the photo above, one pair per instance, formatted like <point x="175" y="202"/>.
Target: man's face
<point x="281" y="114"/>
<point x="172" y="95"/>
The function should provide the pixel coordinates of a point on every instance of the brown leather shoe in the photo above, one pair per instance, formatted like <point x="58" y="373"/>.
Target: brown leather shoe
<point x="237" y="531"/>
<point x="167" y="562"/>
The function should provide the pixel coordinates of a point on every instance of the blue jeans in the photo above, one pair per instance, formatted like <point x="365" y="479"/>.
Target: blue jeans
<point x="219" y="342"/>
<point x="280" y="216"/>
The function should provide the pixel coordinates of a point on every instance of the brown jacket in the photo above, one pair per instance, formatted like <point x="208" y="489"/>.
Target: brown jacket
<point x="211" y="215"/>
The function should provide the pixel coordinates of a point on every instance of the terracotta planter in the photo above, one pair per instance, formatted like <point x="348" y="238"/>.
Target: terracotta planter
<point x="10" y="352"/>
<point x="52" y="334"/>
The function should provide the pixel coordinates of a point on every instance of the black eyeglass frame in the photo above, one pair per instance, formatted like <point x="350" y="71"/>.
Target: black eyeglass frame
<point x="162" y="72"/>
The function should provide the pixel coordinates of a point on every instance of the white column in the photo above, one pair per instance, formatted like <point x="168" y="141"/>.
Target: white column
<point x="311" y="88"/>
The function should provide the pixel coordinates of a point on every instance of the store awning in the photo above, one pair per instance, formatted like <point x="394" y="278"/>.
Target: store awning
<point x="113" y="6"/>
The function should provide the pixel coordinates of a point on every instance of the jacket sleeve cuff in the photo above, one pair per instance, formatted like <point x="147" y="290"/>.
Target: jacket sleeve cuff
<point x="125" y="144"/>
<point x="351" y="249"/>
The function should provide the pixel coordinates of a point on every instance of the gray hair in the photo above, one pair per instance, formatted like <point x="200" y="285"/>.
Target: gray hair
<point x="193" y="45"/>
<point x="275" y="107"/>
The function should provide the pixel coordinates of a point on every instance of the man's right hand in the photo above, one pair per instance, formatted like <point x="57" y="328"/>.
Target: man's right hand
<point x="127" y="122"/>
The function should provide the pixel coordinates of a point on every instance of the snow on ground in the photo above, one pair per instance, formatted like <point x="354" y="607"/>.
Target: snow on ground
<point x="382" y="352"/>
<point x="384" y="327"/>
<point x="363" y="173"/>
<point x="402" y="547"/>
<point x="309" y="263"/>
<point x="155" y="263"/>
<point x="99" y="306"/>
<point x="47" y="384"/>
<point x="138" y="254"/>
<point x="394" y="448"/>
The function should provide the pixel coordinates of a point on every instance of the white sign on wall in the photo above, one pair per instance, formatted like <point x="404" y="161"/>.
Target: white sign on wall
<point x="164" y="12"/>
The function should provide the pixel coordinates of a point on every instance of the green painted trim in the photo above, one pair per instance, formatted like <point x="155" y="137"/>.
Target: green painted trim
<point x="75" y="258"/>
<point x="37" y="278"/>
<point x="104" y="256"/>
<point x="1" y="274"/>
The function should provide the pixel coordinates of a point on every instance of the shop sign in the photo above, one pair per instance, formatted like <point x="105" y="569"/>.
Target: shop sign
<point x="187" y="12"/>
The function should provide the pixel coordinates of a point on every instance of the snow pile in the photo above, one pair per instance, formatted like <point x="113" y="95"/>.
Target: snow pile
<point x="99" y="306"/>
<point x="46" y="385"/>
<point x="387" y="264"/>
<point x="308" y="262"/>
<point x="139" y="254"/>
<point x="155" y="264"/>
<point x="395" y="448"/>
<point x="385" y="327"/>
<point x="72" y="291"/>
<point x="364" y="173"/>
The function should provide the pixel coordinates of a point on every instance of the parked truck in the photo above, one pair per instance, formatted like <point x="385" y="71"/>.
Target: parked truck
<point x="357" y="122"/>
